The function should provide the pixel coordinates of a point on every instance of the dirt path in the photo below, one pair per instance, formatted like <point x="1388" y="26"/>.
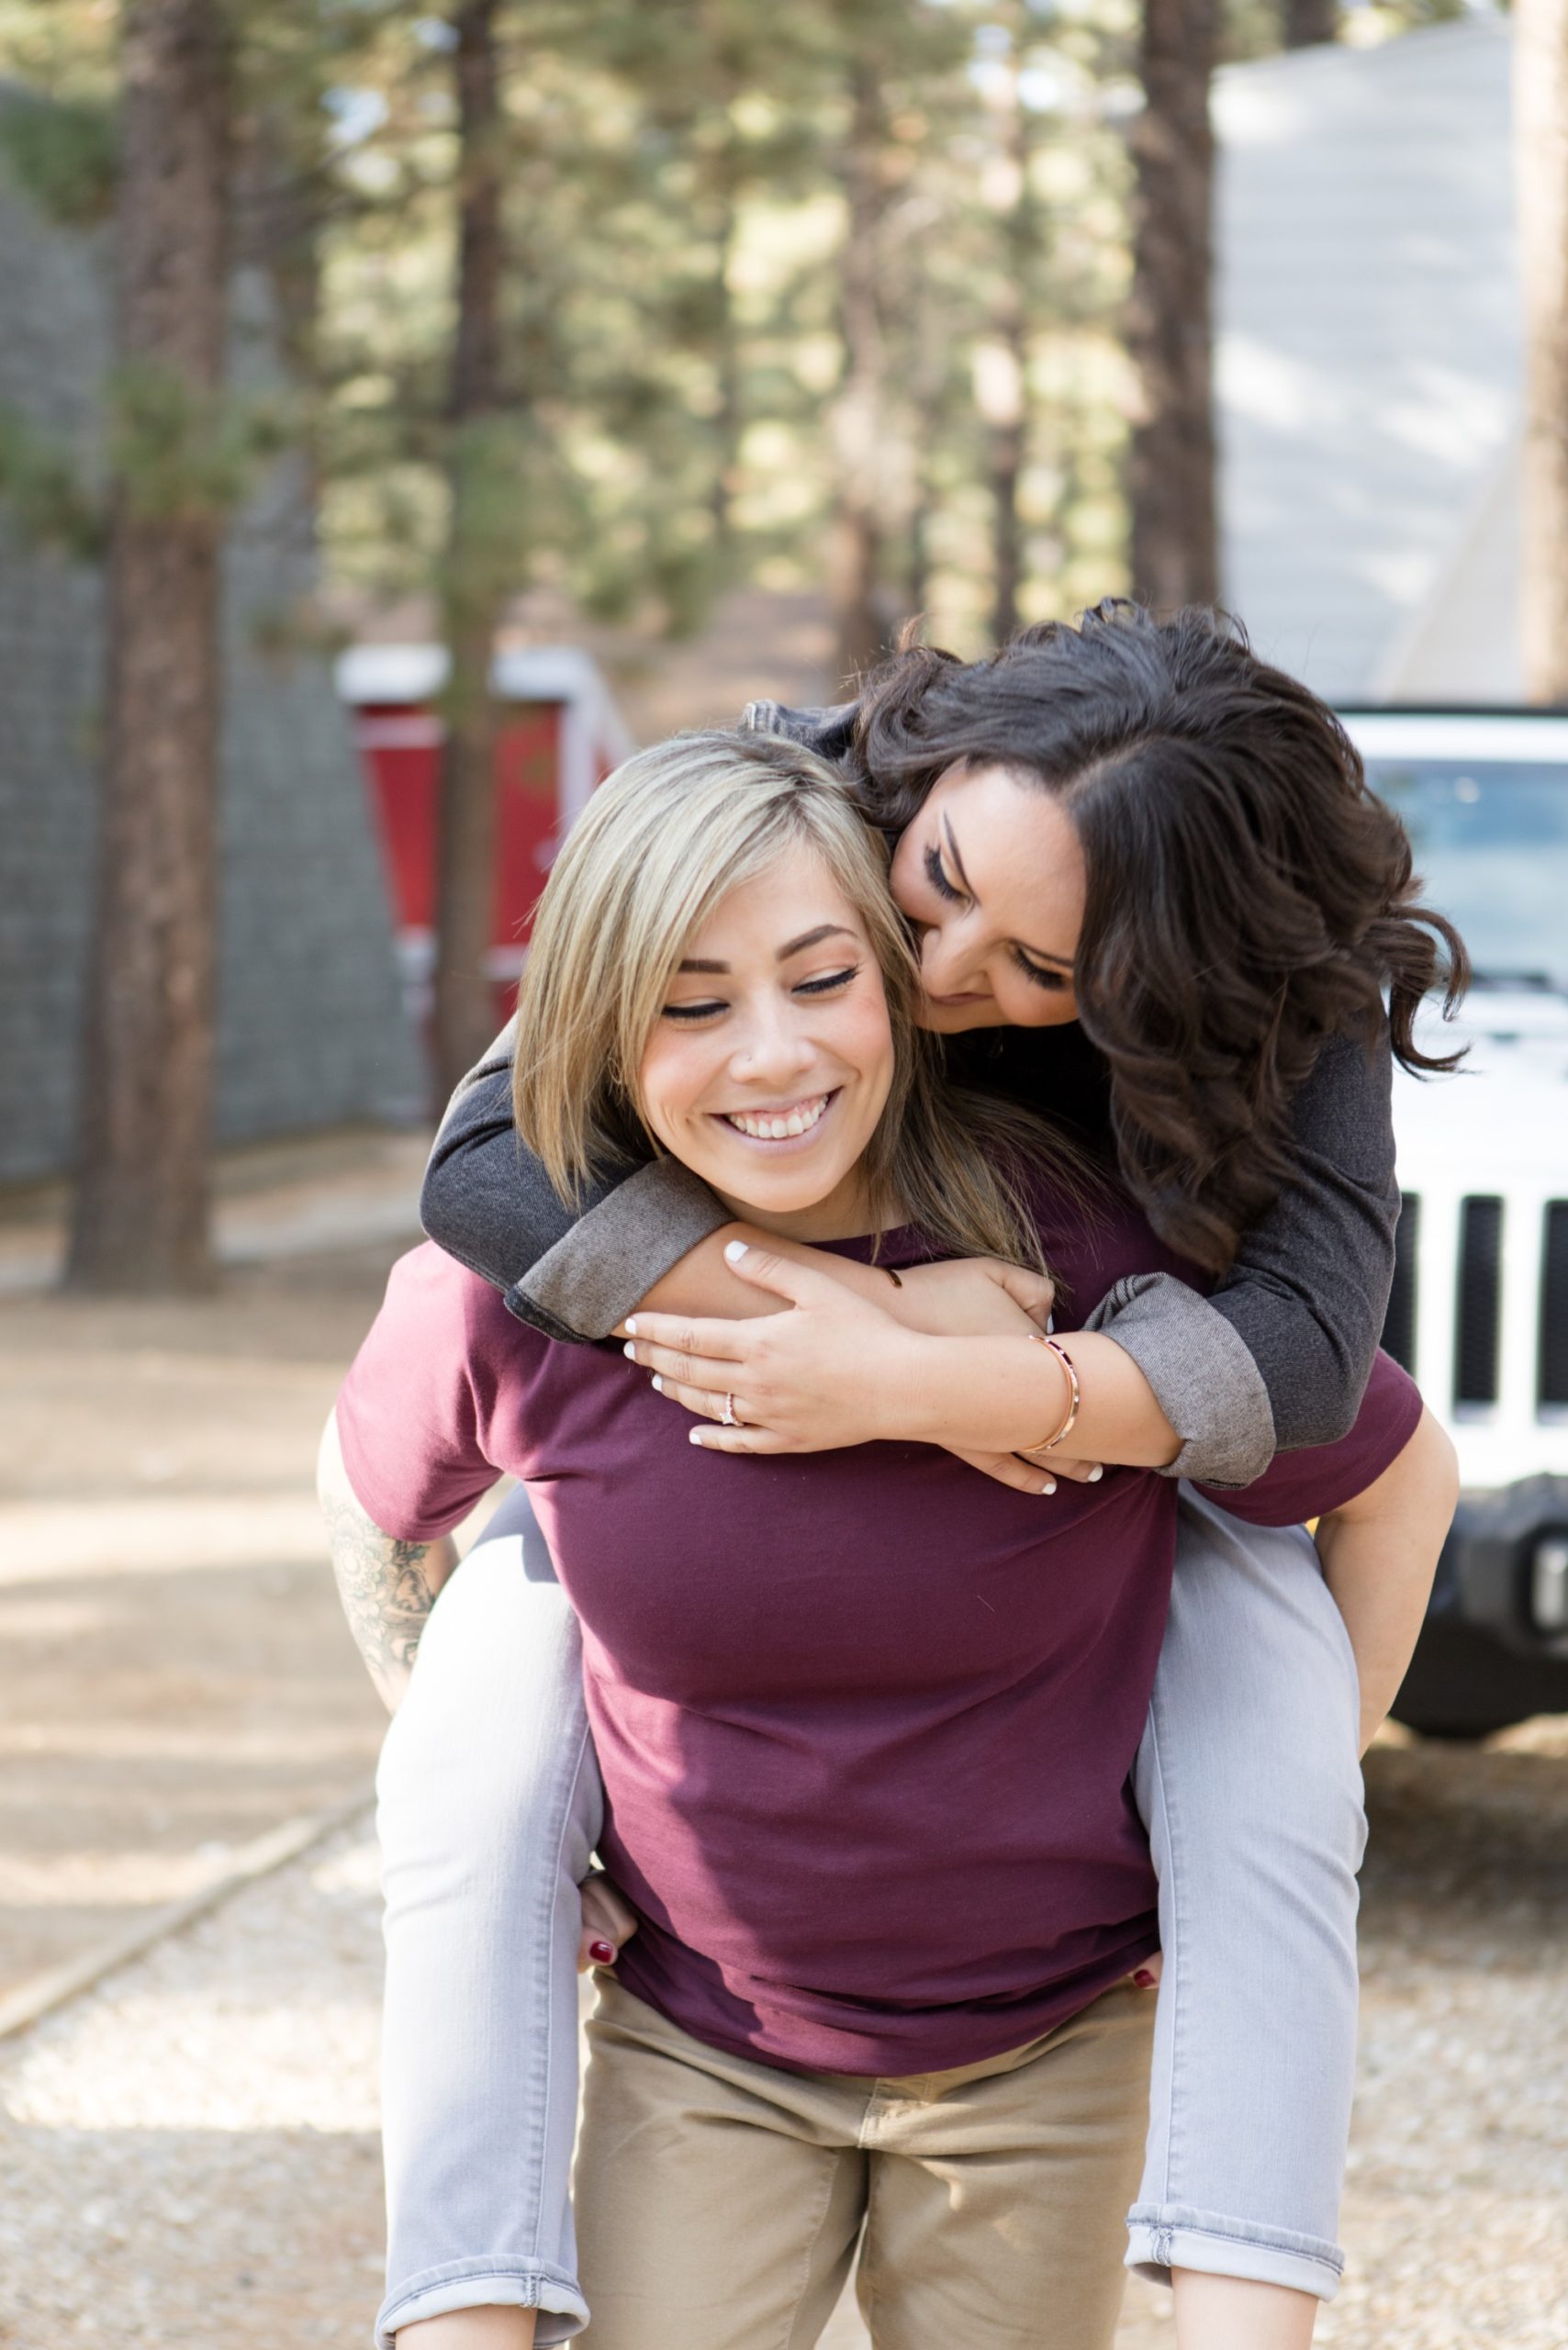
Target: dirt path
<point x="178" y="1677"/>
<point x="190" y="2152"/>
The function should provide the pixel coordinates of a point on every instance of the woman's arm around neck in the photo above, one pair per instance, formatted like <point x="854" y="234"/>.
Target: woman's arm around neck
<point x="1308" y="1290"/>
<point x="572" y="1273"/>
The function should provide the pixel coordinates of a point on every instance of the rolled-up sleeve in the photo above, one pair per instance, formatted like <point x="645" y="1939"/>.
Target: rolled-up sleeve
<point x="572" y="1274"/>
<point x="1205" y="1380"/>
<point x="606" y="1263"/>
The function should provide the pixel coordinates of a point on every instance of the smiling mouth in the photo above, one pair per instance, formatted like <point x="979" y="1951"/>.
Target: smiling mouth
<point x="785" y="1124"/>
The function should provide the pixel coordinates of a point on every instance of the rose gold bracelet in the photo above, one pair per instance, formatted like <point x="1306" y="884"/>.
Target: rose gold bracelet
<point x="1075" y="1397"/>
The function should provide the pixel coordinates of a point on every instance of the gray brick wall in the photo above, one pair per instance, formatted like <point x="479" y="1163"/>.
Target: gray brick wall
<point x="312" y="1031"/>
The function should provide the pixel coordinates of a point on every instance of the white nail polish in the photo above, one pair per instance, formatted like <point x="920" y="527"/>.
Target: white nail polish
<point x="1050" y="1488"/>
<point x="694" y="1435"/>
<point x="630" y="1350"/>
<point x="1094" y="1475"/>
<point x="734" y="1250"/>
<point x="658" y="1383"/>
<point x="630" y="1326"/>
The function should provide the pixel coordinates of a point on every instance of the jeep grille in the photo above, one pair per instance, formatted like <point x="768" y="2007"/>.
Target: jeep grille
<point x="1554" y="1305"/>
<point x="1479" y="1277"/>
<point x="1478" y="1342"/>
<point x="1399" y="1323"/>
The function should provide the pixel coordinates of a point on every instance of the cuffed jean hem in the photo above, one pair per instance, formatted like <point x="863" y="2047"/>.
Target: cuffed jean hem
<point x="1168" y="2236"/>
<point x="486" y="2284"/>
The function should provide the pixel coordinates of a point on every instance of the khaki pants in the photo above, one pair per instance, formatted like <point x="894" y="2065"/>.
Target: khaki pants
<point x="721" y="2202"/>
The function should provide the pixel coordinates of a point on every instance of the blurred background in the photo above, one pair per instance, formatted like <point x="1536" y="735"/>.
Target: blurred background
<point x="404" y="412"/>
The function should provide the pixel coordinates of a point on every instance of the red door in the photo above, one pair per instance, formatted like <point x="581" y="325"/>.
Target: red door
<point x="400" y="745"/>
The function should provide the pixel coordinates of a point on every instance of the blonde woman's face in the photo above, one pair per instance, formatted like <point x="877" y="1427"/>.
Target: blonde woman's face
<point x="772" y="1059"/>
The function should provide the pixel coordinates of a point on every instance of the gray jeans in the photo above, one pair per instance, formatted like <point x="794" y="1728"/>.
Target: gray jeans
<point x="490" y="1806"/>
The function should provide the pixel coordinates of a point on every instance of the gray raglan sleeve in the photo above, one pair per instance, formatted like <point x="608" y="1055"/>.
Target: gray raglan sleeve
<point x="573" y="1274"/>
<point x="1278" y="1358"/>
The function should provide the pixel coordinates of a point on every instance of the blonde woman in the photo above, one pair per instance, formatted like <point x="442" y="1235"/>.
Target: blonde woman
<point x="864" y="1722"/>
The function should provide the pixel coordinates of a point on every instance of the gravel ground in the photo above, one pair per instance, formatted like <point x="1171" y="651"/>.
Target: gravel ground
<point x="179" y="1678"/>
<point x="191" y="2159"/>
<point x="190" y="2150"/>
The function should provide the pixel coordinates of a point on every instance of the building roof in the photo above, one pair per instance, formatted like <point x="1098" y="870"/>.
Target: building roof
<point x="1368" y="363"/>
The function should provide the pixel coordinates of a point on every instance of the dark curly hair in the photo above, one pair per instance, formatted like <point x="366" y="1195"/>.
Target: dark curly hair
<point x="1248" y="895"/>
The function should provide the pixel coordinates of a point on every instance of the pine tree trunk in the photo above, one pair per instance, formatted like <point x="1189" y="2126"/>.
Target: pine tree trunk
<point x="473" y="593"/>
<point x="855" y="556"/>
<point x="143" y="1202"/>
<point x="1541" y="116"/>
<point x="925" y="405"/>
<point x="728" y="420"/>
<point x="1002" y="388"/>
<point x="1170" y="464"/>
<point x="1305" y="23"/>
<point x="1006" y="467"/>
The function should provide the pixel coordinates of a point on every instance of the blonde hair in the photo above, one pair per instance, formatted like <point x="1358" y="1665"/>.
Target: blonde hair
<point x="667" y="837"/>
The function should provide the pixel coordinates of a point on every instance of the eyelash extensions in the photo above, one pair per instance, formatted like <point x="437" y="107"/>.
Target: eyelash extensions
<point x="827" y="985"/>
<point x="939" y="880"/>
<point x="1042" y="978"/>
<point x="1051" y="981"/>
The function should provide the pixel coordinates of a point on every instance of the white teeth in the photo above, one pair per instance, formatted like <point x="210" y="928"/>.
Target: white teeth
<point x="774" y="1127"/>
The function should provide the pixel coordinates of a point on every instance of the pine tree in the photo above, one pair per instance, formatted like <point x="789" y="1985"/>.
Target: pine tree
<point x="859" y="418"/>
<point x="141" y="1208"/>
<point x="481" y="563"/>
<point x="1002" y="356"/>
<point x="724" y="92"/>
<point x="1170" y="468"/>
<point x="893" y="64"/>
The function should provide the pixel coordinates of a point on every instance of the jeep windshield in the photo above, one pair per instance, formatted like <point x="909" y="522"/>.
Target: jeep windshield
<point x="1491" y="842"/>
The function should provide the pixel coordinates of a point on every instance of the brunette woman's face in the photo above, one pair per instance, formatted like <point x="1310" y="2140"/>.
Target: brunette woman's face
<point x="772" y="1060"/>
<point x="991" y="875"/>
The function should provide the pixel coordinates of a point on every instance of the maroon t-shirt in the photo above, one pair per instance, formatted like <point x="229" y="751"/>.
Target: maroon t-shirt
<point x="864" y="1717"/>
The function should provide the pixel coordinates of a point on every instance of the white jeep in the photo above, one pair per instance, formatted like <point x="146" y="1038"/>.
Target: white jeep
<point x="1479" y="1312"/>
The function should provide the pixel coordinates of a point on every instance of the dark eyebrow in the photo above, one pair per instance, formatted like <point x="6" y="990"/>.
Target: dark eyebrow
<point x="796" y="947"/>
<point x="952" y="853"/>
<point x="813" y="938"/>
<point x="1040" y="953"/>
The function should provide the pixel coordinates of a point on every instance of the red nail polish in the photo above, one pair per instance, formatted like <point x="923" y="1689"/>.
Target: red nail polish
<point x="1144" y="1979"/>
<point x="603" y="1953"/>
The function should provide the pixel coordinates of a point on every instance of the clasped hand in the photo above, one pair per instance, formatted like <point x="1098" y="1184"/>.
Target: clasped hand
<point x="838" y="1368"/>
